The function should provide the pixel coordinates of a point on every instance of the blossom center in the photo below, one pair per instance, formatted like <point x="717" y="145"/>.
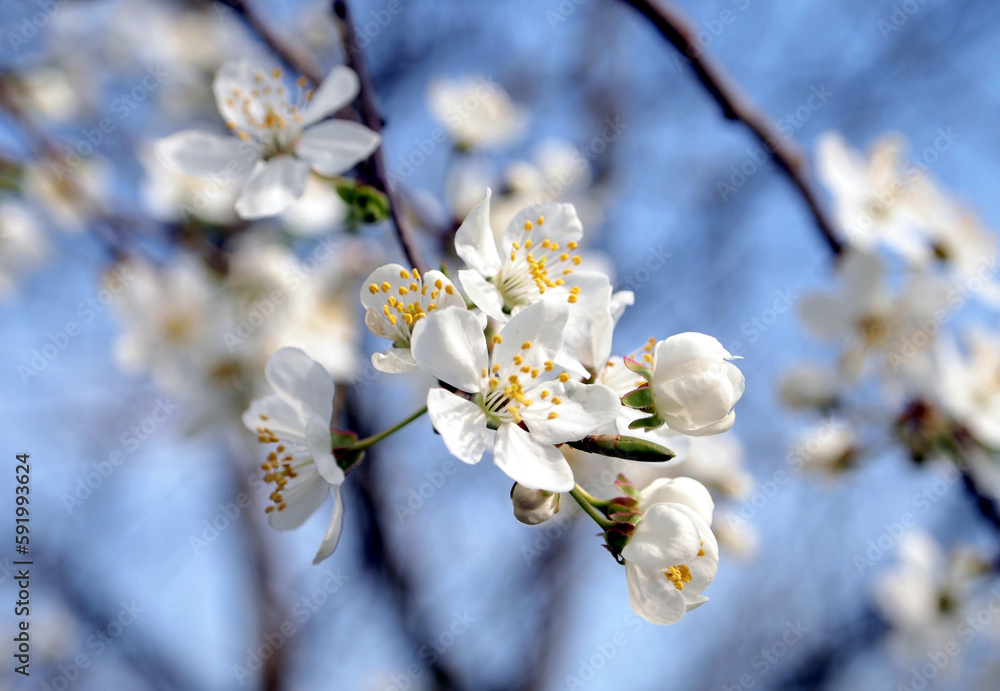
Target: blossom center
<point x="282" y="465"/>
<point x="265" y="114"/>
<point x="678" y="575"/>
<point x="408" y="300"/>
<point x="534" y="267"/>
<point x="509" y="388"/>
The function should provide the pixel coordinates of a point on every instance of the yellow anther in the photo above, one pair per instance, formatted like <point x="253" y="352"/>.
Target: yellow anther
<point x="525" y="345"/>
<point x="449" y="289"/>
<point x="575" y="290"/>
<point x="545" y="394"/>
<point x="527" y="244"/>
<point x="556" y="400"/>
<point x="541" y="220"/>
<point x="386" y="287"/>
<point x="549" y="365"/>
<point x="276" y="73"/>
<point x="577" y="260"/>
<point x="518" y="359"/>
<point x="497" y="339"/>
<point x="373" y="289"/>
<point x="553" y="415"/>
<point x="572" y="245"/>
<point x="438" y="284"/>
<point x="404" y="274"/>
<point x="571" y="299"/>
<point x="564" y="377"/>
<point x="392" y="319"/>
<point x="301" y="81"/>
<point x="678" y="575"/>
<point x="527" y="225"/>
<point x="416" y="274"/>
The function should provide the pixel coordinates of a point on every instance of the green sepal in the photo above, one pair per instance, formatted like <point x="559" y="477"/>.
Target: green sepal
<point x="629" y="448"/>
<point x="342" y="439"/>
<point x="629" y="517"/>
<point x="639" y="368"/>
<point x="616" y="538"/>
<point x="348" y="458"/>
<point x="626" y="487"/>
<point x="640" y="399"/>
<point x="623" y="505"/>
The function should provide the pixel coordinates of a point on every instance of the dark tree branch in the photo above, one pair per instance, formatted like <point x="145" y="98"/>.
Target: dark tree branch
<point x="384" y="562"/>
<point x="373" y="120"/>
<point x="677" y="30"/>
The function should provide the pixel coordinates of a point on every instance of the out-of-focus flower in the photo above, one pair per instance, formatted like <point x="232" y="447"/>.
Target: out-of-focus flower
<point x="171" y="196"/>
<point x="50" y="92"/>
<point x="318" y="211"/>
<point x="716" y="462"/>
<point x="23" y="245"/>
<point x="923" y="596"/>
<point x="808" y="386"/>
<point x="695" y="386"/>
<point x="558" y="171"/>
<point x="873" y="320"/>
<point x="516" y="383"/>
<point x="969" y="388"/>
<point x="476" y="112"/>
<point x="301" y="466"/>
<point x="872" y="196"/>
<point x="395" y="300"/>
<point x="736" y="535"/>
<point x="67" y="193"/>
<point x="830" y="446"/>
<point x="672" y="556"/>
<point x="281" y="140"/>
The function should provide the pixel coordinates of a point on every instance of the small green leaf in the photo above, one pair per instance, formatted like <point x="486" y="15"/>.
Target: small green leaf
<point x="639" y="368"/>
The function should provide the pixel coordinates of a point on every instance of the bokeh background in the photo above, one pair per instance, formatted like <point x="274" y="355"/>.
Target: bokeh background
<point x="454" y="593"/>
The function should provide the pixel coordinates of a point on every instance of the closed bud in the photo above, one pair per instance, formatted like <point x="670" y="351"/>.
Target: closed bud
<point x="534" y="506"/>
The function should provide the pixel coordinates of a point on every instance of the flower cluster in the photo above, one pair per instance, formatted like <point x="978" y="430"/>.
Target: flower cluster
<point x="520" y="348"/>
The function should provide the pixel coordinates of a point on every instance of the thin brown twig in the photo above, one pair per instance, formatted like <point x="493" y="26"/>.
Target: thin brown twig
<point x="287" y="52"/>
<point x="373" y="120"/>
<point x="677" y="30"/>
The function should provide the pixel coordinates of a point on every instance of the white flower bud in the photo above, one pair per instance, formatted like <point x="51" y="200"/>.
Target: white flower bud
<point x="534" y="506"/>
<point x="694" y="385"/>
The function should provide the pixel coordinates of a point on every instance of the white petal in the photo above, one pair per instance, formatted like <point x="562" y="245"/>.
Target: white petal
<point x="681" y="490"/>
<point x="335" y="146"/>
<point x="201" y="155"/>
<point x="561" y="225"/>
<point x="272" y="186"/>
<point x="319" y="445"/>
<point x="450" y="345"/>
<point x="483" y="294"/>
<point x="336" y="527"/>
<point x="338" y="89"/>
<point x="826" y="316"/>
<point x="534" y="465"/>
<point x="302" y="382"/>
<point x="541" y="325"/>
<point x="653" y="597"/>
<point x="461" y="422"/>
<point x="862" y="275"/>
<point x="475" y="242"/>
<point x="277" y="415"/>
<point x="584" y="409"/>
<point x="232" y="86"/>
<point x="394" y="361"/>
<point x="301" y="502"/>
<point x="668" y="535"/>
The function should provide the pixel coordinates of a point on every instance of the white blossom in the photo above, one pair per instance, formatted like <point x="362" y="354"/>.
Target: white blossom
<point x="476" y="112"/>
<point x="516" y="384"/>
<point x="276" y="142"/>
<point x="673" y="555"/>
<point x="302" y="468"/>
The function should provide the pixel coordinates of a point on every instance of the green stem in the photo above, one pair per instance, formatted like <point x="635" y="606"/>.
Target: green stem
<point x="592" y="500"/>
<point x="592" y="511"/>
<point x="376" y="438"/>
